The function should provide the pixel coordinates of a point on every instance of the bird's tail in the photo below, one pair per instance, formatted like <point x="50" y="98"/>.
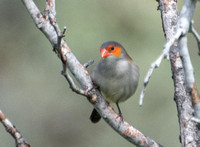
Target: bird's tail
<point x="95" y="116"/>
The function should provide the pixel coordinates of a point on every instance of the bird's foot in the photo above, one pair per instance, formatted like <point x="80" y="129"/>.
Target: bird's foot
<point x="120" y="116"/>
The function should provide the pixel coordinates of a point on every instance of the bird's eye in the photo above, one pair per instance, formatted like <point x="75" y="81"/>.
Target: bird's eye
<point x="112" y="48"/>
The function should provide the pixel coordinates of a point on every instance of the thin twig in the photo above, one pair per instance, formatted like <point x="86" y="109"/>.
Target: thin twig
<point x="196" y="35"/>
<point x="50" y="8"/>
<point x="154" y="65"/>
<point x="88" y="63"/>
<point x="157" y="63"/>
<point x="60" y="36"/>
<point x="10" y="128"/>
<point x="72" y="83"/>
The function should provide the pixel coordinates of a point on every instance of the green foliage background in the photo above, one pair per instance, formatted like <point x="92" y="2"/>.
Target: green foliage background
<point x="36" y="98"/>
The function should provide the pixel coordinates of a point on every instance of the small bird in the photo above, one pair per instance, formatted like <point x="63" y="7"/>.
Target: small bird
<point x="116" y="75"/>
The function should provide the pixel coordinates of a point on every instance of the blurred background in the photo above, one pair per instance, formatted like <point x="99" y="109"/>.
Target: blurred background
<point x="36" y="97"/>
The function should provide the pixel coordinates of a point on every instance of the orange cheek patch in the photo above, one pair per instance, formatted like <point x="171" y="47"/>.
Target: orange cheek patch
<point x="117" y="51"/>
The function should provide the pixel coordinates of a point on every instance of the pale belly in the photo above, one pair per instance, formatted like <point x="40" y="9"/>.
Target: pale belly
<point x="118" y="90"/>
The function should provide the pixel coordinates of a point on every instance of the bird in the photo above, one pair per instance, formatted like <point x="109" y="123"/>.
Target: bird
<point x="116" y="75"/>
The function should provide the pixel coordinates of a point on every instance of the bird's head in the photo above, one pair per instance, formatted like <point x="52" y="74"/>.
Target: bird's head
<point x="113" y="49"/>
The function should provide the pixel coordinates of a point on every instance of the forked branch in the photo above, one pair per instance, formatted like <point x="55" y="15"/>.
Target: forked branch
<point x="49" y="27"/>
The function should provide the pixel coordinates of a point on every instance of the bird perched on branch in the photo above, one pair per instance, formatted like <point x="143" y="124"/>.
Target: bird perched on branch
<point x="116" y="75"/>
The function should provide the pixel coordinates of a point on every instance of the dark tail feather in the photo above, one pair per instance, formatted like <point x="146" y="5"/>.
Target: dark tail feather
<point x="95" y="117"/>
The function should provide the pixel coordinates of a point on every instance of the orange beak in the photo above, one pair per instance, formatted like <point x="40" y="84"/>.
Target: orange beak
<point x="104" y="53"/>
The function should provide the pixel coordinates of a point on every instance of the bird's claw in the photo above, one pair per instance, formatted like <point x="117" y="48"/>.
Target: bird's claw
<point x="120" y="116"/>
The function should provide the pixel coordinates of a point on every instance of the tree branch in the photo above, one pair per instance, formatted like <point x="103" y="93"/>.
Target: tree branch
<point x="181" y="75"/>
<point x="49" y="27"/>
<point x="187" y="64"/>
<point x="10" y="128"/>
<point x="156" y="64"/>
<point x="196" y="35"/>
<point x="183" y="26"/>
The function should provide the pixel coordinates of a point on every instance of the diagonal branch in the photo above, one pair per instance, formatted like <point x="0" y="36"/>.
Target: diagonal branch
<point x="157" y="63"/>
<point x="50" y="29"/>
<point x="73" y="86"/>
<point x="10" y="128"/>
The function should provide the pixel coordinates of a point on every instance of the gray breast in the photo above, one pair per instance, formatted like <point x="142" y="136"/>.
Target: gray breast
<point x="118" y="81"/>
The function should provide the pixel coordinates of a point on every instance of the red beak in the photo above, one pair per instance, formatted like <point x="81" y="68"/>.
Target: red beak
<point x="104" y="53"/>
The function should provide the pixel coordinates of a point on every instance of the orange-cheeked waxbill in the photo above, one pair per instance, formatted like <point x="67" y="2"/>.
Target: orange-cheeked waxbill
<point x="116" y="75"/>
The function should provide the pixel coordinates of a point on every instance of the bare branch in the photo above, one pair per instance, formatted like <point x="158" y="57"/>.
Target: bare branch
<point x="157" y="63"/>
<point x="88" y="63"/>
<point x="10" y="128"/>
<point x="72" y="84"/>
<point x="188" y="129"/>
<point x="122" y="127"/>
<point x="182" y="28"/>
<point x="188" y="68"/>
<point x="154" y="65"/>
<point x="51" y="30"/>
<point x="196" y="35"/>
<point x="50" y="12"/>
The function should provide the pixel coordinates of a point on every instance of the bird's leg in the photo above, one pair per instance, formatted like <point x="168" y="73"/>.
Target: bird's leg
<point x="119" y="112"/>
